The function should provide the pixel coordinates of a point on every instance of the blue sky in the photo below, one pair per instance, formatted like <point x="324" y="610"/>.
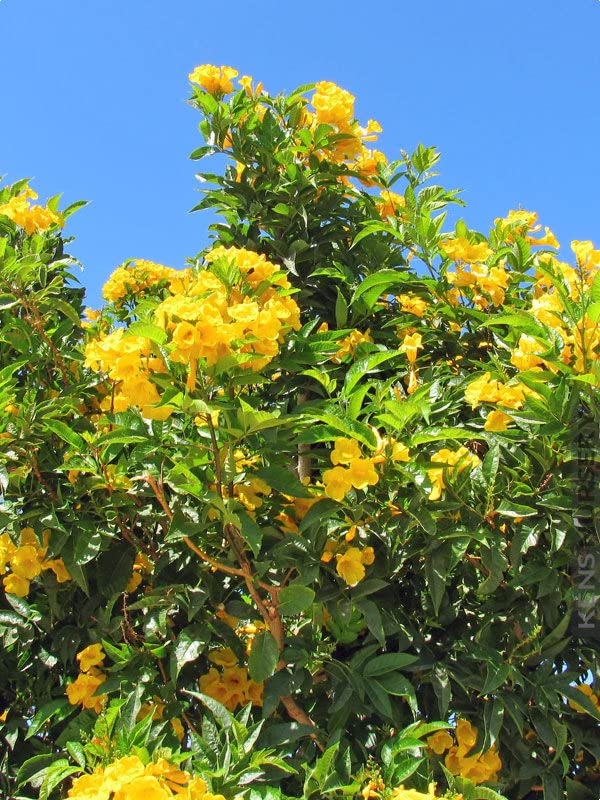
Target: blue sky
<point x="94" y="91"/>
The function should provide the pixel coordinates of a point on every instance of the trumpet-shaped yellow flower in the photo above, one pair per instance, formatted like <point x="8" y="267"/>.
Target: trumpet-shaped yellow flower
<point x="214" y="80"/>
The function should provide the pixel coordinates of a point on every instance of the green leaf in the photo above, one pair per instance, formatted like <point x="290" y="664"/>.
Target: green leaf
<point x="379" y="283"/>
<point x="148" y="331"/>
<point x="363" y="367"/>
<point x="7" y="301"/>
<point x="436" y="570"/>
<point x="190" y="643"/>
<point x="66" y="434"/>
<point x="496" y="676"/>
<point x="388" y="662"/>
<point x="295" y="599"/>
<point x="508" y="509"/>
<point x="219" y="712"/>
<point x="380" y="699"/>
<point x="348" y="427"/>
<point x="34" y="766"/>
<point x="372" y="617"/>
<point x="495" y="562"/>
<point x="263" y="657"/>
<point x="77" y="753"/>
<point x="87" y="546"/>
<point x="59" y="708"/>
<point x="595" y="289"/>
<point x="282" y="480"/>
<point x="251" y="531"/>
<point x="341" y="310"/>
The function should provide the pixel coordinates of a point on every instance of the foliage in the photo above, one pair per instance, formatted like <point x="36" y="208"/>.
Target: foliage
<point x="305" y="517"/>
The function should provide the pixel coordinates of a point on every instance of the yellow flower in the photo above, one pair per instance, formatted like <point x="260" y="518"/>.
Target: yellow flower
<point x="90" y="787"/>
<point x="57" y="565"/>
<point x="400" y="452"/>
<point x="459" y="459"/>
<point x="222" y="614"/>
<point x="91" y="656"/>
<point x="349" y="344"/>
<point x="480" y="767"/>
<point x="235" y="683"/>
<point x="333" y="105"/>
<point x="362" y="473"/>
<point x="34" y="219"/>
<point x="461" y="249"/>
<point x="350" y="566"/>
<point x="224" y="657"/>
<point x="497" y="421"/>
<point x="134" y="582"/>
<point x="367" y="556"/>
<point x="412" y="794"/>
<point x="83" y="689"/>
<point x="215" y="80"/>
<point x="410" y="345"/>
<point x="389" y="204"/>
<point x="547" y="240"/>
<point x="412" y="304"/>
<point x="440" y="741"/>
<point x="526" y="354"/>
<point x="14" y="584"/>
<point x="345" y="451"/>
<point x="246" y="83"/>
<point x="367" y="165"/>
<point x="337" y="483"/>
<point x="483" y="389"/>
<point x="26" y="563"/>
<point x="147" y="787"/>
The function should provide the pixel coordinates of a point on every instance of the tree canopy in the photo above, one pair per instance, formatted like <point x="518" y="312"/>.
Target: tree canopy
<point x="313" y="515"/>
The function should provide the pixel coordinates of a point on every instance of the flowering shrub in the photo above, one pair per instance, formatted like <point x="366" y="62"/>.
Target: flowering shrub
<point x="297" y="519"/>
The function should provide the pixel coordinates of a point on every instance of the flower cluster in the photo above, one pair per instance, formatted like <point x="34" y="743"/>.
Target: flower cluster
<point x="27" y="561"/>
<point x="480" y="767"/>
<point x="453" y="463"/>
<point x="133" y="278"/>
<point x="489" y="284"/>
<point x="129" y="778"/>
<point x="357" y="472"/>
<point x="523" y="223"/>
<point x="214" y="80"/>
<point x="412" y="304"/>
<point x="33" y="218"/>
<point x="83" y="689"/>
<point x="557" y="283"/>
<point x="237" y="307"/>
<point x="486" y="389"/>
<point x="232" y="687"/>
<point x="128" y="361"/>
<point x="335" y="106"/>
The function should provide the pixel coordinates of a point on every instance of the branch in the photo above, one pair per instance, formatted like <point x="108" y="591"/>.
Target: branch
<point x="160" y="496"/>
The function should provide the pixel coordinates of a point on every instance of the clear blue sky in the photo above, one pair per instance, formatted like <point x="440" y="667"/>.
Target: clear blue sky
<point x="93" y="103"/>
